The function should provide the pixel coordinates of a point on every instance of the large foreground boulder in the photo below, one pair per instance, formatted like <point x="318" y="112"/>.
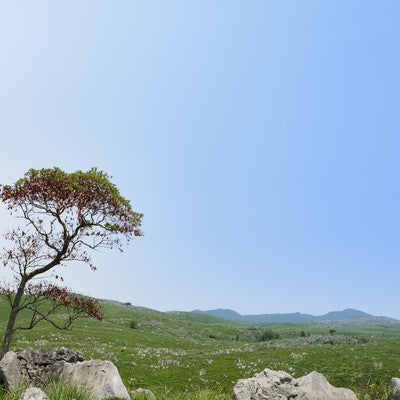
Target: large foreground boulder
<point x="315" y="383"/>
<point x="10" y="371"/>
<point x="100" y="377"/>
<point x="36" y="367"/>
<point x="279" y="385"/>
<point x="30" y="366"/>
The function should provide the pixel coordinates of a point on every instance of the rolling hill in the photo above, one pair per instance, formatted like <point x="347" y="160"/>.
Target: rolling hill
<point x="348" y="314"/>
<point x="177" y="354"/>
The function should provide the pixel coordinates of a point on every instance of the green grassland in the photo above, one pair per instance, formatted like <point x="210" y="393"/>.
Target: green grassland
<point x="184" y="354"/>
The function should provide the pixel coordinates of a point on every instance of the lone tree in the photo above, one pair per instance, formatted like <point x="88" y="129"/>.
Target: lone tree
<point x="64" y="217"/>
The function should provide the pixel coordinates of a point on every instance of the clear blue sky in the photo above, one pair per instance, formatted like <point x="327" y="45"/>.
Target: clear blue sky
<point x="259" y="138"/>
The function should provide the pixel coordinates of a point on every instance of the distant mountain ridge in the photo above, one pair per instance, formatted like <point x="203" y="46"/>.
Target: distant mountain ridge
<point x="347" y="314"/>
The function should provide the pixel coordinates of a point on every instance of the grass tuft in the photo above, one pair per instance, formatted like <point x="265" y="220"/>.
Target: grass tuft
<point x="63" y="390"/>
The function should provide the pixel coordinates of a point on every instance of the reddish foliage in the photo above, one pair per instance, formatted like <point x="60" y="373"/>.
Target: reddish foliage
<point x="64" y="297"/>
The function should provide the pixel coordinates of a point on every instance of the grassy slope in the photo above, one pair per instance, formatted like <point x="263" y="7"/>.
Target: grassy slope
<point x="178" y="352"/>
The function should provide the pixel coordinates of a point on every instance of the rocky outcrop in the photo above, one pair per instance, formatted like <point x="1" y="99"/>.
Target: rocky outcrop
<point x="98" y="376"/>
<point x="279" y="385"/>
<point x="36" y="367"/>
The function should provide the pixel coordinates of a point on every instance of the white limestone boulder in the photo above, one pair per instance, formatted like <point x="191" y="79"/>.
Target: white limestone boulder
<point x="98" y="376"/>
<point x="278" y="385"/>
<point x="10" y="372"/>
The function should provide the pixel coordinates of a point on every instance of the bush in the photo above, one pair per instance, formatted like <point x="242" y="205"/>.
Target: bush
<point x="134" y="325"/>
<point x="268" y="335"/>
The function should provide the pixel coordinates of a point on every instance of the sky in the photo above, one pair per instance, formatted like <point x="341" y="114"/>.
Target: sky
<point x="260" y="139"/>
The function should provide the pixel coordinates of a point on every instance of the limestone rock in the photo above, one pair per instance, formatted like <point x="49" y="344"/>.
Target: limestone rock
<point x="34" y="366"/>
<point x="279" y="385"/>
<point x="34" y="393"/>
<point x="316" y="387"/>
<point x="395" y="383"/>
<point x="10" y="372"/>
<point x="100" y="377"/>
<point x="40" y="366"/>
<point x="144" y="393"/>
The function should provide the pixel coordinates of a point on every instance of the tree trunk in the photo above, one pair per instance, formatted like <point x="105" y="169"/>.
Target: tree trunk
<point x="5" y="346"/>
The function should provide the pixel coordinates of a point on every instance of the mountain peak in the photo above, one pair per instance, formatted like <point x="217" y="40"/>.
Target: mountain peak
<point x="297" y="317"/>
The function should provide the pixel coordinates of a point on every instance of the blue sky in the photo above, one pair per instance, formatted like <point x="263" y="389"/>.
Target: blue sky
<point x="259" y="138"/>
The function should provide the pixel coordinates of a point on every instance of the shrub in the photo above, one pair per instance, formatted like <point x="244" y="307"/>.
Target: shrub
<point x="268" y="335"/>
<point x="133" y="325"/>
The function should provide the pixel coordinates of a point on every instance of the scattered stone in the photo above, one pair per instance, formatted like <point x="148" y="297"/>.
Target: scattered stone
<point x="98" y="376"/>
<point x="34" y="393"/>
<point x="144" y="393"/>
<point x="395" y="383"/>
<point x="278" y="385"/>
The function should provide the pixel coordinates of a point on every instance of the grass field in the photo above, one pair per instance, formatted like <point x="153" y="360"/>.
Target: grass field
<point x="193" y="356"/>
